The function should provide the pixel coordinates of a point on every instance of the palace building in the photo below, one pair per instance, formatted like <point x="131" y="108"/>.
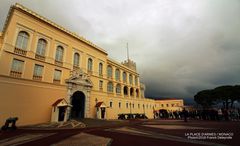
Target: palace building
<point x="48" y="73"/>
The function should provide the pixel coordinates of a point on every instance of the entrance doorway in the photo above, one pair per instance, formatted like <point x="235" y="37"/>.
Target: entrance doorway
<point x="103" y="112"/>
<point x="78" y="105"/>
<point x="61" y="113"/>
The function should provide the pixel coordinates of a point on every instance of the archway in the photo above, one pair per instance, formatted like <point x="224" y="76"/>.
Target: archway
<point x="78" y="105"/>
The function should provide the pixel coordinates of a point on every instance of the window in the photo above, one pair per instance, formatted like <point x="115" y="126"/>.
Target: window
<point x="57" y="75"/>
<point x="76" y="60"/>
<point x="131" y="92"/>
<point x="38" y="71"/>
<point x="100" y="85"/>
<point x="133" y="105"/>
<point x="17" y="68"/>
<point x="130" y="79"/>
<point x="124" y="77"/>
<point x="125" y="90"/>
<point x="109" y="71"/>
<point x="90" y="64"/>
<point x="110" y="87"/>
<point x="118" y="89"/>
<point x="100" y="69"/>
<point x="162" y="105"/>
<point x="126" y="105"/>
<point x="59" y="54"/>
<point x="136" y="81"/>
<point x="22" y="40"/>
<point x="41" y="47"/>
<point x="137" y="92"/>
<point x="111" y="104"/>
<point x="117" y="75"/>
<point x="17" y="65"/>
<point x="138" y="105"/>
<point x="119" y="104"/>
<point x="167" y="105"/>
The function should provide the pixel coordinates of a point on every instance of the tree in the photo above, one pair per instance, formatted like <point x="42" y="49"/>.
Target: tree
<point x="204" y="98"/>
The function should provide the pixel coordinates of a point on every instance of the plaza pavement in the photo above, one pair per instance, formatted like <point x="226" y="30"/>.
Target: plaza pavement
<point x="127" y="133"/>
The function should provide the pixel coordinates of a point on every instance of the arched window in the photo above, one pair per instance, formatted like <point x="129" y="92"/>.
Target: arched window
<point x="110" y="87"/>
<point x="130" y="79"/>
<point x="22" y="40"/>
<point x="118" y="89"/>
<point x="117" y="75"/>
<point x="59" y="54"/>
<point x="131" y="92"/>
<point x="125" y="90"/>
<point x="109" y="71"/>
<point x="137" y="92"/>
<point x="124" y="77"/>
<point x="100" y="69"/>
<point x="76" y="60"/>
<point x="90" y="64"/>
<point x="41" y="47"/>
<point x="136" y="80"/>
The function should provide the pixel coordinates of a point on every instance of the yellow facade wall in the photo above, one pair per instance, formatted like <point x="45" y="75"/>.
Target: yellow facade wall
<point x="32" y="100"/>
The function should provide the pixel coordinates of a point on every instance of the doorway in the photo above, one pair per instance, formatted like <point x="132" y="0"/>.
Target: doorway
<point x="78" y="105"/>
<point x="61" y="113"/>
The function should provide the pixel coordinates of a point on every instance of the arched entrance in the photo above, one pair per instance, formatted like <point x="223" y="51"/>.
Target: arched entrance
<point x="78" y="105"/>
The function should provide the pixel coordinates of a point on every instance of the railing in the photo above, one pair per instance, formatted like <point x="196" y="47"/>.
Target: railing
<point x="37" y="78"/>
<point x="55" y="81"/>
<point x="76" y="67"/>
<point x="58" y="63"/>
<point x="15" y="74"/>
<point x="40" y="57"/>
<point x="90" y="72"/>
<point x="20" y="51"/>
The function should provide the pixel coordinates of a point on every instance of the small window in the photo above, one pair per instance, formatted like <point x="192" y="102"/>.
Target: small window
<point x="136" y="81"/>
<point x="90" y="64"/>
<point x="76" y="60"/>
<point x="126" y="105"/>
<point x="118" y="89"/>
<point x="110" y="87"/>
<point x="100" y="69"/>
<point x="130" y="79"/>
<point x="109" y="71"/>
<point x="119" y="104"/>
<point x="117" y="75"/>
<point x="138" y="105"/>
<point x="59" y="54"/>
<point x="17" y="65"/>
<point x="124" y="77"/>
<point x="100" y="85"/>
<point x="111" y="104"/>
<point x="38" y="70"/>
<point x="57" y="75"/>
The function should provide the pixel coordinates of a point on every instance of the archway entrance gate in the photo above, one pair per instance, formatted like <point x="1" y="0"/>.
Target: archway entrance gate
<point x="79" y="87"/>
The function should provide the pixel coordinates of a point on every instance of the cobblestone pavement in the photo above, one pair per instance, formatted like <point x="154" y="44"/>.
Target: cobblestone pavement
<point x="130" y="133"/>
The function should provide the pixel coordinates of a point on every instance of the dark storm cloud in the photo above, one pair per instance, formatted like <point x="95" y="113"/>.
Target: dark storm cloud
<point x="180" y="47"/>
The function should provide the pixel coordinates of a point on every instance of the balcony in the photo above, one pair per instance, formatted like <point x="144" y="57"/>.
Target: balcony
<point x="58" y="63"/>
<point x="75" y="67"/>
<point x="40" y="57"/>
<point x="55" y="81"/>
<point x="20" y="51"/>
<point x="37" y="78"/>
<point x="15" y="74"/>
<point x="90" y="72"/>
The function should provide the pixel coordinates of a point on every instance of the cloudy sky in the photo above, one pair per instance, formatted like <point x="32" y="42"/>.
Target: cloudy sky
<point x="180" y="47"/>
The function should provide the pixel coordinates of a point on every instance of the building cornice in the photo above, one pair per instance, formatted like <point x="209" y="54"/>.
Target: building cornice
<point x="34" y="14"/>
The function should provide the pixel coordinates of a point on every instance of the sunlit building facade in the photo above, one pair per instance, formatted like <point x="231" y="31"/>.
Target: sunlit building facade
<point x="48" y="73"/>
